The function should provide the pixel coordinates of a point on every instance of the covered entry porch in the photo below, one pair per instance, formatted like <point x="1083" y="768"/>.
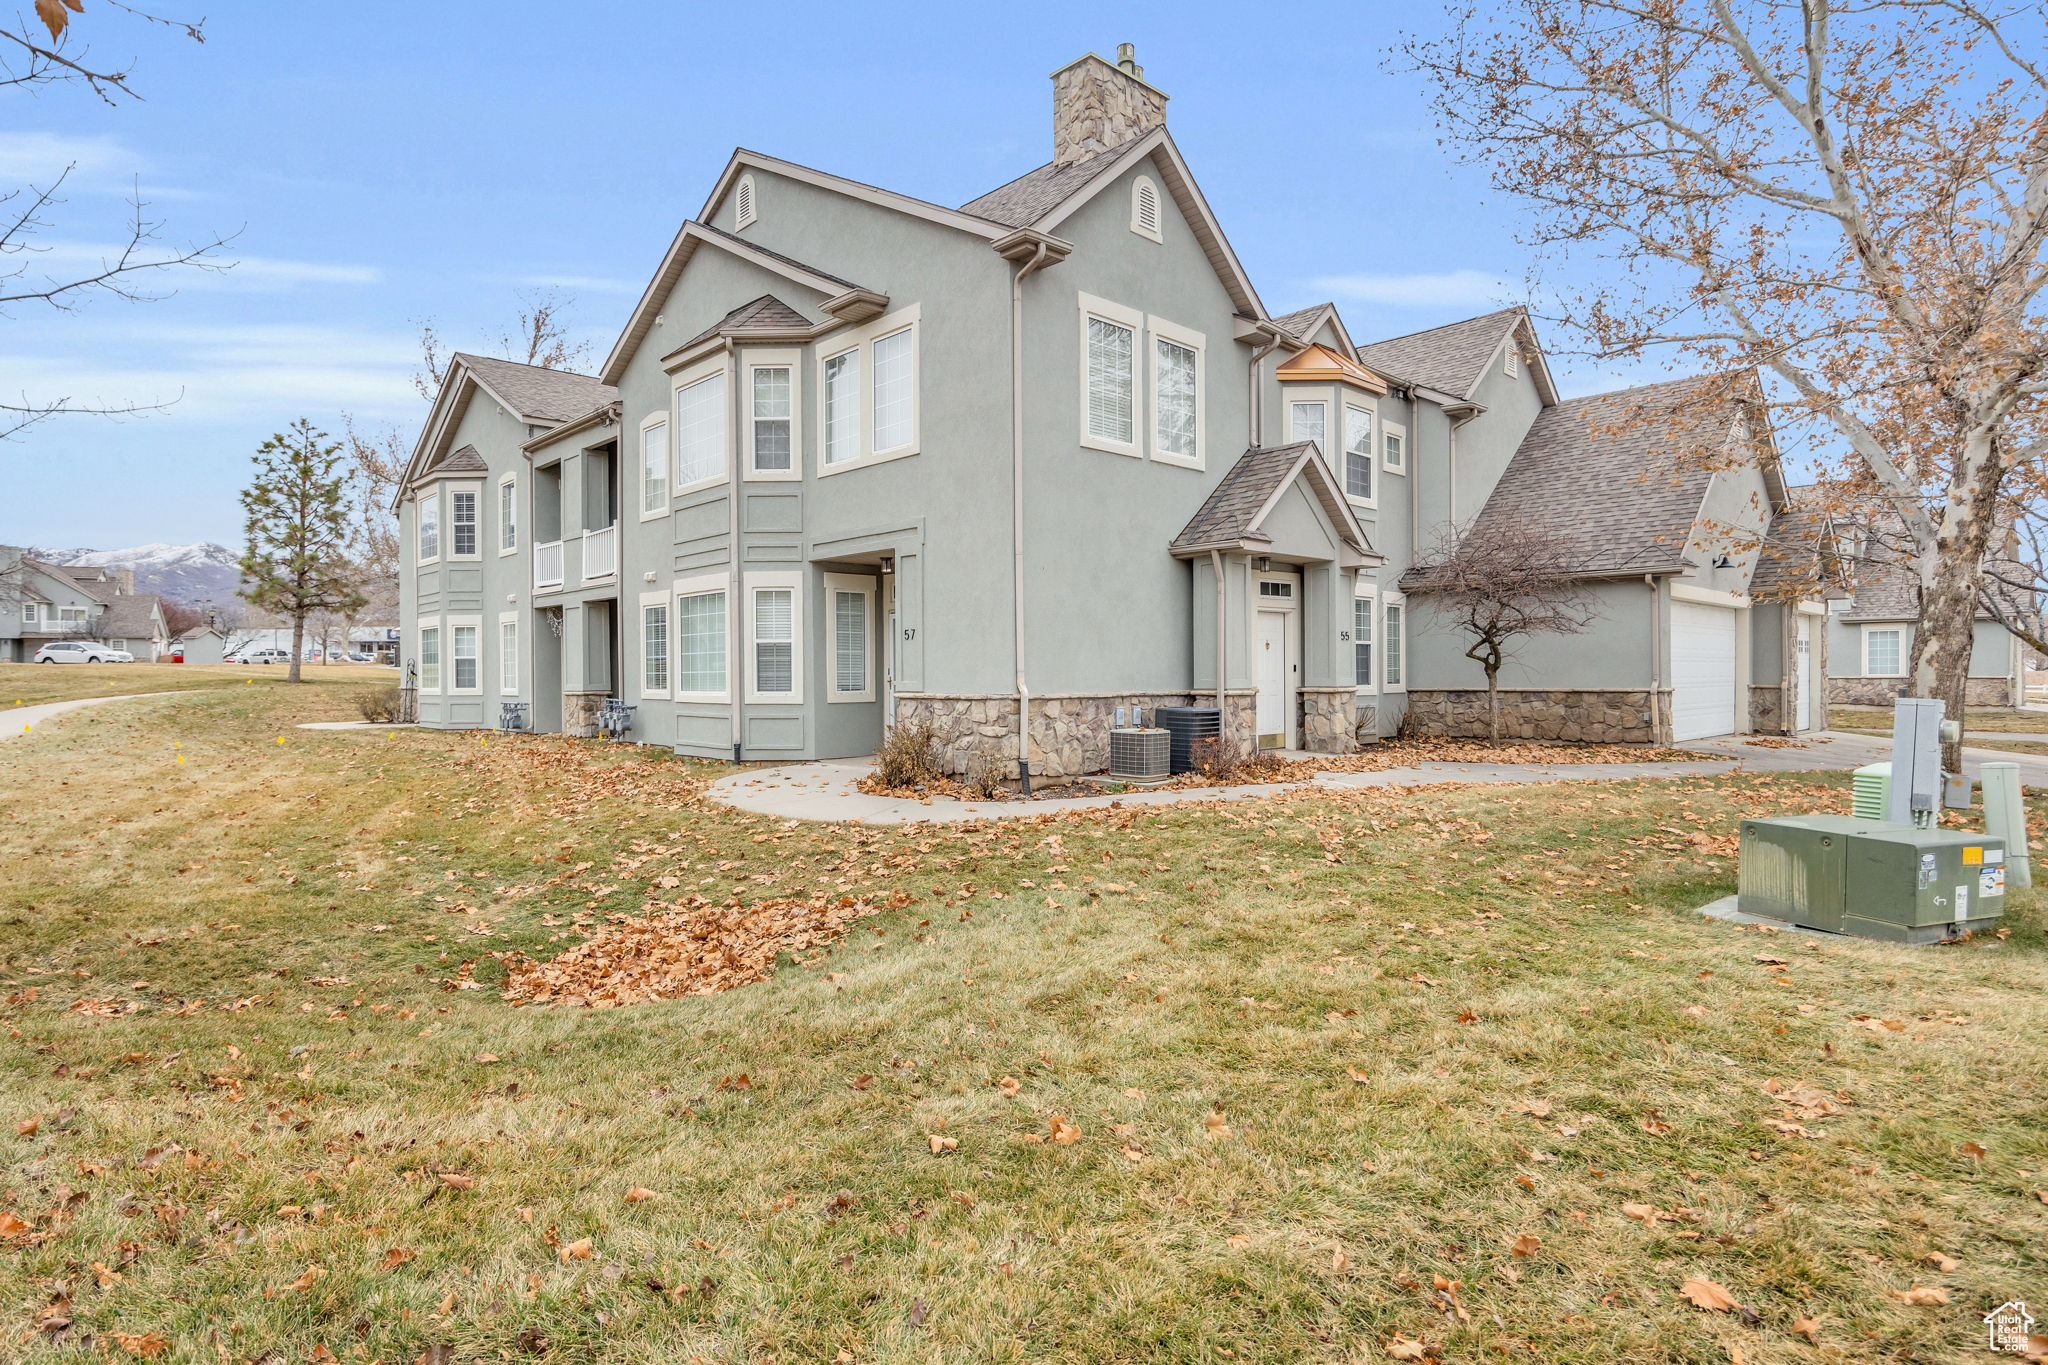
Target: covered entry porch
<point x="1276" y="552"/>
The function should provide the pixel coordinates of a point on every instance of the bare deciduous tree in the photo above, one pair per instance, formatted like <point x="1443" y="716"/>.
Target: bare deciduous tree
<point x="28" y="60"/>
<point x="1853" y="199"/>
<point x="1502" y="583"/>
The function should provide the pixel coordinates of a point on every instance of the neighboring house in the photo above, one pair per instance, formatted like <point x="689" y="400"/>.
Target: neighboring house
<point x="859" y="459"/>
<point x="1871" y="631"/>
<point x="40" y="602"/>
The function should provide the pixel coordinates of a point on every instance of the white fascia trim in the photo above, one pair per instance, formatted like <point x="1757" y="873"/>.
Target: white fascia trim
<point x="694" y="586"/>
<point x="668" y="462"/>
<point x="863" y="339"/>
<point x="751" y="359"/>
<point x="1708" y="597"/>
<point x="1388" y="429"/>
<point x="793" y="580"/>
<point x="744" y="160"/>
<point x="867" y="587"/>
<point x="1121" y="316"/>
<point x="1160" y="329"/>
<point x="697" y="374"/>
<point x="452" y="624"/>
<point x="1188" y="198"/>
<point x="657" y="598"/>
<point x="1342" y="463"/>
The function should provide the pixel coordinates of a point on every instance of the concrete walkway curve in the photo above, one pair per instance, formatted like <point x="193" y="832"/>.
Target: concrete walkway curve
<point x="22" y="720"/>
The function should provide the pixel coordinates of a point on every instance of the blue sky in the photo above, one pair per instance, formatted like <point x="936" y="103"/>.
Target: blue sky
<point x="384" y="162"/>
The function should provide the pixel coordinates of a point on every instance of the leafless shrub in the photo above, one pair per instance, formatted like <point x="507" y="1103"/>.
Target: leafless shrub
<point x="381" y="704"/>
<point x="909" y="756"/>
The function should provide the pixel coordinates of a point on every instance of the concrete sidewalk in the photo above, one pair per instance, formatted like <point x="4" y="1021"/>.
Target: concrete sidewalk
<point x="22" y="720"/>
<point x="827" y="791"/>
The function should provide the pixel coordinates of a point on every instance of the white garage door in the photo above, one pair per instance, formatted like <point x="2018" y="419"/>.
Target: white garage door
<point x="1702" y="670"/>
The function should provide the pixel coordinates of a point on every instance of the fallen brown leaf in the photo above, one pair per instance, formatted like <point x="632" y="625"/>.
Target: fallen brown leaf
<point x="307" y="1280"/>
<point x="1708" y="1295"/>
<point x="578" y="1250"/>
<point x="1923" y="1295"/>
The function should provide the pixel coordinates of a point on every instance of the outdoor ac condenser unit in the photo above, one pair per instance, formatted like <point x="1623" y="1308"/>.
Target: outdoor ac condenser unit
<point x="1877" y="879"/>
<point x="1140" y="754"/>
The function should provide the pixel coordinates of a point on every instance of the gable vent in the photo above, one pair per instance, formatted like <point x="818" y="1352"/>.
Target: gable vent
<point x="743" y="202"/>
<point x="1145" y="208"/>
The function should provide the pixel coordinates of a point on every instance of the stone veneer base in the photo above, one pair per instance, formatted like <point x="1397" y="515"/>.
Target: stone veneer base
<point x="1069" y="733"/>
<point x="1618" y="716"/>
<point x="1883" y="691"/>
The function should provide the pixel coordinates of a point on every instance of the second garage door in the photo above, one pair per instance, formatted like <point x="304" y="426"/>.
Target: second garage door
<point x="1702" y="670"/>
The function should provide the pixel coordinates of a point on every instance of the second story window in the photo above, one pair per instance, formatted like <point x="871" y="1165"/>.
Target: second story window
<point x="654" y="468"/>
<point x="1361" y="641"/>
<point x="773" y="399"/>
<point x="462" y="521"/>
<point x="430" y="525"/>
<point x="1112" y="388"/>
<point x="842" y="407"/>
<point x="700" y="431"/>
<point x="1174" y="398"/>
<point x="1309" y="422"/>
<point x="1394" y="448"/>
<point x="895" y="383"/>
<point x="1358" y="453"/>
<point x="508" y="517"/>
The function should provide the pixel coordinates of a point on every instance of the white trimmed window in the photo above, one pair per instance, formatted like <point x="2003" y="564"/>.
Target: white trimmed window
<point x="1394" y="640"/>
<point x="1358" y="454"/>
<point x="1109" y="376"/>
<point x="430" y="658"/>
<point x="430" y="525"/>
<point x="462" y="522"/>
<point x="1309" y="421"/>
<point x="1145" y="213"/>
<point x="1884" y="652"/>
<point x="508" y="514"/>
<point x="868" y="395"/>
<point x="1362" y="610"/>
<point x="840" y="381"/>
<point x="1394" y="447"/>
<point x="894" y="362"/>
<point x="772" y="433"/>
<point x="508" y="654"/>
<point x="465" y="662"/>
<point x="700" y="432"/>
<point x="700" y="631"/>
<point x="1176" y="394"/>
<point x="654" y="467"/>
<point x="774" y="638"/>
<point x="31" y="613"/>
<point x="850" y="599"/>
<point x="654" y="646"/>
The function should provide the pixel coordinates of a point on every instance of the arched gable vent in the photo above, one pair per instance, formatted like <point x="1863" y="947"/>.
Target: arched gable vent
<point x="743" y="202"/>
<point x="1145" y="208"/>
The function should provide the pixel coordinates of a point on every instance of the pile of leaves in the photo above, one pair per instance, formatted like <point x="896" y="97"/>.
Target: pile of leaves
<point x="699" y="947"/>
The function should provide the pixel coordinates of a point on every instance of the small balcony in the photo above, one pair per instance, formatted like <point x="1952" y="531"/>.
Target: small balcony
<point x="600" y="553"/>
<point x="547" y="566"/>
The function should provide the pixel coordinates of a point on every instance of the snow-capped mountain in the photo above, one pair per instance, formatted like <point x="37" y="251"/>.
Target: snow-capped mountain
<point x="183" y="573"/>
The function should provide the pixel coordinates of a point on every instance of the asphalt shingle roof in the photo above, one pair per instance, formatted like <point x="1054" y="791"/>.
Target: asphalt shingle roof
<point x="1034" y="194"/>
<point x="87" y="582"/>
<point x="130" y="618"/>
<point x="1604" y="474"/>
<point x="541" y="395"/>
<point x="1792" y="563"/>
<point x="1452" y="358"/>
<point x="765" y="314"/>
<point x="1293" y="323"/>
<point x="1230" y="513"/>
<point x="752" y="245"/>
<point x="463" y="461"/>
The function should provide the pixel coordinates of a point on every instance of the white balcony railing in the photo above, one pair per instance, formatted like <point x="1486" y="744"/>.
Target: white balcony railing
<point x="601" y="553"/>
<point x="547" y="565"/>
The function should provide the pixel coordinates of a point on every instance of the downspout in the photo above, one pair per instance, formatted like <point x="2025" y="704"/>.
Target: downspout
<point x="736" y="668"/>
<point x="1656" y="650"/>
<point x="1222" y="619"/>
<point x="1258" y="391"/>
<point x="1036" y="261"/>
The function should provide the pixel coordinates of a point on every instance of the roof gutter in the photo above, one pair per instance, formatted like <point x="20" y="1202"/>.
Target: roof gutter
<point x="1031" y="251"/>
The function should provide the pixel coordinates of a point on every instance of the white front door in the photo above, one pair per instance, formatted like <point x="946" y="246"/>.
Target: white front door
<point x="1802" y="675"/>
<point x="1702" y="670"/>
<point x="1272" y="717"/>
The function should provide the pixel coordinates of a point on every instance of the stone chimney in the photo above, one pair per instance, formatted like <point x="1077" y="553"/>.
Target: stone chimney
<point x="1096" y="106"/>
<point x="124" y="582"/>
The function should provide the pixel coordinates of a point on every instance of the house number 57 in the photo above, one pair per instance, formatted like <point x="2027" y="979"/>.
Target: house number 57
<point x="910" y="632"/>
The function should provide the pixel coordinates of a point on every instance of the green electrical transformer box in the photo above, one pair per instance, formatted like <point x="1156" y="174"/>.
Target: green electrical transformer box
<point x="1872" y="878"/>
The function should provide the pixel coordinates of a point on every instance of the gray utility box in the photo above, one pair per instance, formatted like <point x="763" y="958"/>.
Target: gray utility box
<point x="1873" y="878"/>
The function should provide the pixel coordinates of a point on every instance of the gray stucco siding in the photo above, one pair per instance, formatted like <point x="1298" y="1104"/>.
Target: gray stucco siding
<point x="1614" y="651"/>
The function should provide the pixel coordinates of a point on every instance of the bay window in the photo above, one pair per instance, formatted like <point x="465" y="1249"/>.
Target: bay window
<point x="842" y="407"/>
<point x="895" y="380"/>
<point x="1309" y="421"/>
<point x="771" y="399"/>
<point x="430" y="525"/>
<point x="700" y="431"/>
<point x="430" y="658"/>
<point x="1358" y="453"/>
<point x="462" y="520"/>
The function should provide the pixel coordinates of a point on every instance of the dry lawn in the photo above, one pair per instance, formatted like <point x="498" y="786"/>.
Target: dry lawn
<point x="1450" y="1073"/>
<point x="31" y="684"/>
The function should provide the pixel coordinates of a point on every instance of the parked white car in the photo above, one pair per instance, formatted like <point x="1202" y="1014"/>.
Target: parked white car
<point x="261" y="656"/>
<point x="81" y="652"/>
